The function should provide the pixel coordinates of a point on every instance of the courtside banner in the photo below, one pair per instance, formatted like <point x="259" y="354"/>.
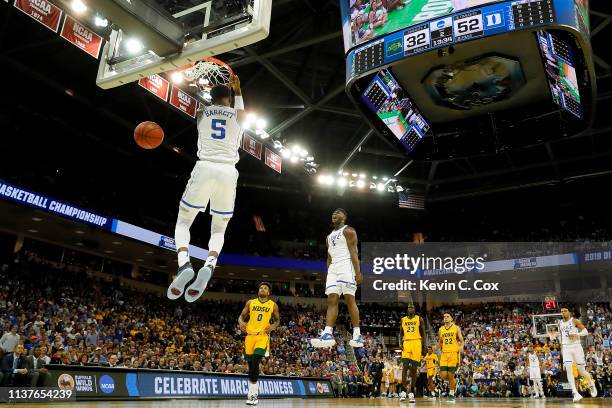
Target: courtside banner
<point x="90" y="383"/>
<point x="107" y="383"/>
<point x="251" y="146"/>
<point x="81" y="36"/>
<point x="274" y="160"/>
<point x="183" y="101"/>
<point x="157" y="85"/>
<point x="55" y="207"/>
<point x="43" y="11"/>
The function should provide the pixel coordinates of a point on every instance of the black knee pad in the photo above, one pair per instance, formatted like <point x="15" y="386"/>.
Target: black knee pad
<point x="254" y="367"/>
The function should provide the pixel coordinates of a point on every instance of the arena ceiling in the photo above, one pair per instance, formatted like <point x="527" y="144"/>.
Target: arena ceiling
<point x="295" y="78"/>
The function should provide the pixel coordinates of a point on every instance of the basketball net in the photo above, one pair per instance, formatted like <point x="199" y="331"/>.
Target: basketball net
<point x="208" y="73"/>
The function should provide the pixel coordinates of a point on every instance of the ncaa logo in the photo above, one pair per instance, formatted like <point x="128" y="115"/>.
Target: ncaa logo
<point x="107" y="384"/>
<point x="312" y="388"/>
<point x="440" y="24"/>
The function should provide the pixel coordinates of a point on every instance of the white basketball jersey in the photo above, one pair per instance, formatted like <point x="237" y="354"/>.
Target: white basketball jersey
<point x="219" y="134"/>
<point x="567" y="328"/>
<point x="534" y="361"/>
<point x="337" y="246"/>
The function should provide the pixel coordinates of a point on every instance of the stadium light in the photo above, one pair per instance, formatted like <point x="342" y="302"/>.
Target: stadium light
<point x="374" y="177"/>
<point x="261" y="124"/>
<point x="380" y="187"/>
<point x="354" y="175"/>
<point x="100" y="21"/>
<point x="360" y="184"/>
<point x="133" y="45"/>
<point x="296" y="149"/>
<point x="322" y="179"/>
<point x="385" y="178"/>
<point x="294" y="159"/>
<point x="250" y="119"/>
<point x="286" y="153"/>
<point x="362" y="176"/>
<point x="78" y="6"/>
<point x="176" y="77"/>
<point x="342" y="182"/>
<point x="303" y="153"/>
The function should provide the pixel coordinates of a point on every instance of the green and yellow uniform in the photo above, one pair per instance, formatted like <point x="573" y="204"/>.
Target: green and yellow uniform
<point x="450" y="348"/>
<point x="413" y="346"/>
<point x="257" y="340"/>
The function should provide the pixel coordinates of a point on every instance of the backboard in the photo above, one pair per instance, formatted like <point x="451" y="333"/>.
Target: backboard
<point x="210" y="27"/>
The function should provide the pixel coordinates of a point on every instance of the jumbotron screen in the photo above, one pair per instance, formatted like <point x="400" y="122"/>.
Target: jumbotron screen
<point x="387" y="99"/>
<point x="364" y="20"/>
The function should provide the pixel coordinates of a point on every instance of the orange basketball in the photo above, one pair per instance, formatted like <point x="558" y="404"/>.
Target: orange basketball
<point x="148" y="135"/>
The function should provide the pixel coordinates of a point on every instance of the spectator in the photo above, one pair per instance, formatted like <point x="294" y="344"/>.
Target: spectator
<point x="16" y="369"/>
<point x="9" y="340"/>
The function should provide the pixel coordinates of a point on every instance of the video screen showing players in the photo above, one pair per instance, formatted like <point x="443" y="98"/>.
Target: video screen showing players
<point x="364" y="20"/>
<point x="560" y="70"/>
<point x="385" y="97"/>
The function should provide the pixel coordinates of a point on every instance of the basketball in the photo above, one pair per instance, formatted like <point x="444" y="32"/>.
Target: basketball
<point x="148" y="135"/>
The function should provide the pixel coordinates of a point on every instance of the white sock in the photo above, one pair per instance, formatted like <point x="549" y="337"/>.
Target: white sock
<point x="183" y="258"/>
<point x="211" y="260"/>
<point x="570" y="377"/>
<point x="253" y="389"/>
<point x="356" y="332"/>
<point x="328" y="329"/>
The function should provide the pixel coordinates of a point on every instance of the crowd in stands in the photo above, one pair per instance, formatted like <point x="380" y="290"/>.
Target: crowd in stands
<point x="69" y="317"/>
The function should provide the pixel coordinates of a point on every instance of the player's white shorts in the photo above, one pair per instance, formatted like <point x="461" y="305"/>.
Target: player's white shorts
<point x="341" y="278"/>
<point x="573" y="354"/>
<point x="214" y="183"/>
<point x="535" y="373"/>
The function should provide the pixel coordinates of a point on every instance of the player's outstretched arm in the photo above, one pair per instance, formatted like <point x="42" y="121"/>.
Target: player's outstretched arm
<point x="276" y="322"/>
<point x="243" y="316"/>
<point x="238" y="101"/>
<point x="460" y="341"/>
<point x="583" y="331"/>
<point x="422" y="333"/>
<point x="351" y="239"/>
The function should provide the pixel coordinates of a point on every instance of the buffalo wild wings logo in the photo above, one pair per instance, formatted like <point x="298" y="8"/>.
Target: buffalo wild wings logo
<point x="65" y="382"/>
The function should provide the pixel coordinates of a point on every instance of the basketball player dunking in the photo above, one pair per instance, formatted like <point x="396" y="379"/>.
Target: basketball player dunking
<point x="213" y="180"/>
<point x="343" y="276"/>
<point x="413" y="334"/>
<point x="571" y="330"/>
<point x="263" y="317"/>
<point x="451" y="343"/>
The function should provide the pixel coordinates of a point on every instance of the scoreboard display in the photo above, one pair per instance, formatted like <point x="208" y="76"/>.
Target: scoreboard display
<point x="385" y="97"/>
<point x="451" y="27"/>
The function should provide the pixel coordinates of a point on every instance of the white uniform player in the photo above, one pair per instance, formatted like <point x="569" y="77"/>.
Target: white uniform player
<point x="214" y="177"/>
<point x="212" y="185"/>
<point x="343" y="276"/>
<point x="535" y="373"/>
<point x="571" y="349"/>
<point x="340" y="274"/>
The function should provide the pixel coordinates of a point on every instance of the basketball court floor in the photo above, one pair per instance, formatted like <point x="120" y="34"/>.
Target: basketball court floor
<point x="353" y="402"/>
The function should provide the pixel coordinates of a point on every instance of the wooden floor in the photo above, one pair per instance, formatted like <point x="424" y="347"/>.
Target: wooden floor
<point x="332" y="402"/>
